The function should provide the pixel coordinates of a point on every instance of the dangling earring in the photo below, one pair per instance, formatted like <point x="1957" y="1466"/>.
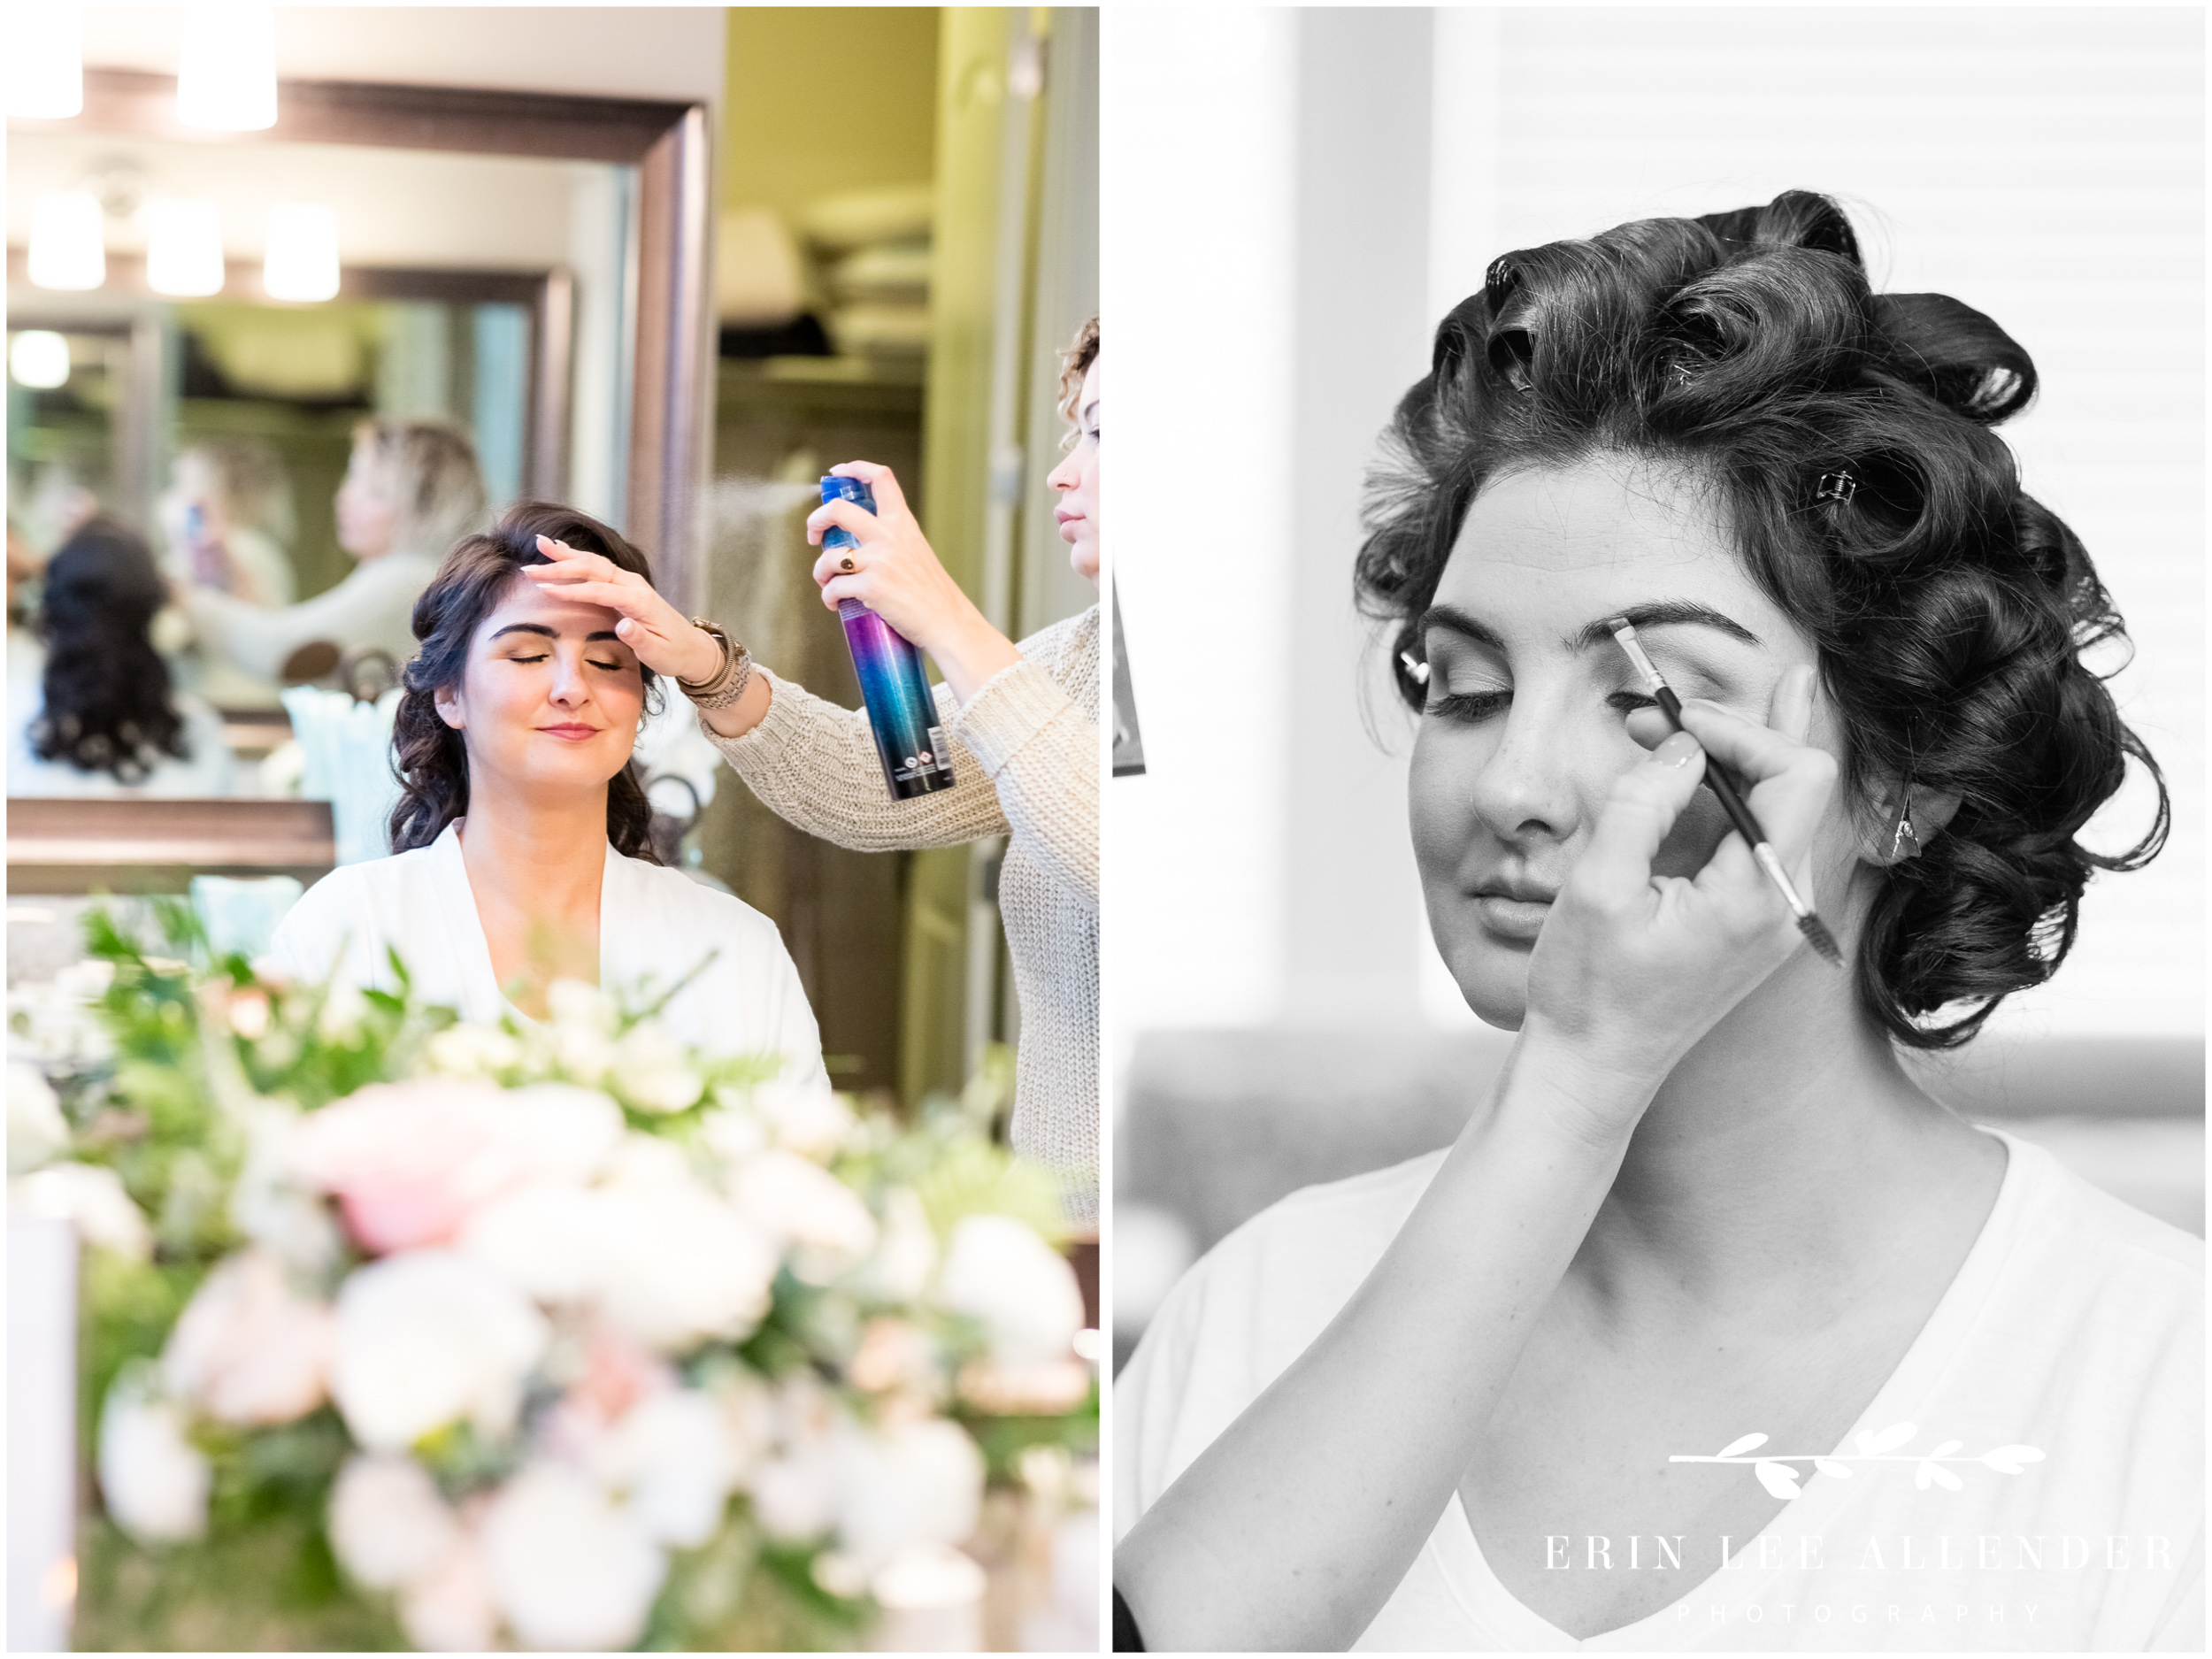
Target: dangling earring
<point x="1904" y="840"/>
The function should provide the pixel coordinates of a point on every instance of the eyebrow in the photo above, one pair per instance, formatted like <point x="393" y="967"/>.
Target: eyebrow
<point x="1659" y="613"/>
<point x="551" y="634"/>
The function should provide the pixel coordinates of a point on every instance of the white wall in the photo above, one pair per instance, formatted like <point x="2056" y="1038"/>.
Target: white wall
<point x="614" y="51"/>
<point x="2043" y="165"/>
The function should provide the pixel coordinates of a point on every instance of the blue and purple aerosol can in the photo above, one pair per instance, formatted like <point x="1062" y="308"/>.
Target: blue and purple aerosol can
<point x="901" y="712"/>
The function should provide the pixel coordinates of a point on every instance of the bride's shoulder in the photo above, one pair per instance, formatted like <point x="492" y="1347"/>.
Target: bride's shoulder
<point x="673" y="898"/>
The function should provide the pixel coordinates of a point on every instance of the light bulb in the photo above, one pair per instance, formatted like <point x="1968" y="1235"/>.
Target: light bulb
<point x="302" y="256"/>
<point x="45" y="62"/>
<point x="67" y="247"/>
<point x="39" y="358"/>
<point x="184" y="248"/>
<point x="227" y="68"/>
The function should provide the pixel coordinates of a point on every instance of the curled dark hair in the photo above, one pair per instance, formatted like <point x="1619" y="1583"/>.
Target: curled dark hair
<point x="426" y="752"/>
<point x="106" y="704"/>
<point x="1951" y="611"/>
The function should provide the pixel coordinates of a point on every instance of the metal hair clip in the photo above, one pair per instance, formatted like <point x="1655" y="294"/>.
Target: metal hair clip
<point x="1837" y="487"/>
<point x="1682" y="376"/>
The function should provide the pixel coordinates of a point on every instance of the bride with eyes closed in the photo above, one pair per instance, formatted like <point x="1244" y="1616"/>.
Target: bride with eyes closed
<point x="1711" y="1329"/>
<point x="520" y="854"/>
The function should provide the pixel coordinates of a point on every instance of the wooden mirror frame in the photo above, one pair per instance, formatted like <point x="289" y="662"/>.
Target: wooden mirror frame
<point x="666" y="142"/>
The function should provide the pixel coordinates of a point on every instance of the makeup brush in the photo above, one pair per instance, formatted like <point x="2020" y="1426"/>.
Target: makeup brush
<point x="1809" y="923"/>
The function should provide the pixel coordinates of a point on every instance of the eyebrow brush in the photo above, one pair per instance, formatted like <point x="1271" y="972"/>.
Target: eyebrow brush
<point x="1809" y="923"/>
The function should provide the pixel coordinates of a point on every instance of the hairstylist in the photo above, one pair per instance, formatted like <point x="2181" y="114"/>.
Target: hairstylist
<point x="1023" y="721"/>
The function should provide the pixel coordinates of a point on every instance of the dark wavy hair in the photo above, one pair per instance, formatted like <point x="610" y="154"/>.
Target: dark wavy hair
<point x="1951" y="611"/>
<point x="106" y="704"/>
<point x="427" y="755"/>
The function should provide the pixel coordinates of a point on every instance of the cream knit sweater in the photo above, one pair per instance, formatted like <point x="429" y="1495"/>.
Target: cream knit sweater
<point x="1025" y="764"/>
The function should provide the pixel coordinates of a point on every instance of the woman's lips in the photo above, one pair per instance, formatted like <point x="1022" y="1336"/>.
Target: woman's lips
<point x="573" y="734"/>
<point x="1512" y="919"/>
<point x="1068" y="521"/>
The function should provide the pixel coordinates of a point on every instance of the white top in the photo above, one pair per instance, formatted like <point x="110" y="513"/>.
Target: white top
<point x="2076" y="1325"/>
<point x="656" y="925"/>
<point x="375" y="605"/>
<point x="207" y="771"/>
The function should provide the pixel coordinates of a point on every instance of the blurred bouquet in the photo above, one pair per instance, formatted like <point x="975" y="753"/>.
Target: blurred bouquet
<point x="550" y="1335"/>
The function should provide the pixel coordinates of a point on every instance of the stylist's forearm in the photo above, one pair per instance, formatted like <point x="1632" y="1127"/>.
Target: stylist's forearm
<point x="968" y="650"/>
<point x="1293" y="1528"/>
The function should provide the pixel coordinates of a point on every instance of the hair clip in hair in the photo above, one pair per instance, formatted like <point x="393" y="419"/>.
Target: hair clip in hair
<point x="1418" y="670"/>
<point x="1904" y="840"/>
<point x="1838" y="487"/>
<point x="1682" y="376"/>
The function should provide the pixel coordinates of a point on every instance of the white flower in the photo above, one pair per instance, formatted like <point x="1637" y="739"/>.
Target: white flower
<point x="428" y="1337"/>
<point x="586" y="1007"/>
<point x="388" y="1525"/>
<point x="449" y="1609"/>
<point x="911" y="1484"/>
<point x="569" y="1570"/>
<point x="649" y="1070"/>
<point x="796" y="1494"/>
<point x="247" y="1349"/>
<point x="804" y="1203"/>
<point x="731" y="1132"/>
<point x="804" y="1113"/>
<point x="154" y="1480"/>
<point x="907" y="1254"/>
<point x="472" y="1051"/>
<point x="37" y="1133"/>
<point x="670" y="1454"/>
<point x="748" y="1419"/>
<point x="269" y="1206"/>
<point x="91" y="1199"/>
<point x="1002" y="1273"/>
<point x="678" y="1265"/>
<point x="545" y="1240"/>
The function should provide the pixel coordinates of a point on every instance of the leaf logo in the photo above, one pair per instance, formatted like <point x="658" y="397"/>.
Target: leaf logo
<point x="1775" y="1473"/>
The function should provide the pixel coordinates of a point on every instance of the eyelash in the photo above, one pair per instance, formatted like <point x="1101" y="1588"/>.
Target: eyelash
<point x="1471" y="706"/>
<point x="591" y="662"/>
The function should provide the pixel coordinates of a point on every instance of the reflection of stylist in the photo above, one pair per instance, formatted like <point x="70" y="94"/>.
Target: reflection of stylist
<point x="411" y="489"/>
<point x="1023" y="721"/>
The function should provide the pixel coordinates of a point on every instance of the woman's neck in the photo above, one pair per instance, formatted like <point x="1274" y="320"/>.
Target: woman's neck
<point x="535" y="869"/>
<point x="1789" y="1156"/>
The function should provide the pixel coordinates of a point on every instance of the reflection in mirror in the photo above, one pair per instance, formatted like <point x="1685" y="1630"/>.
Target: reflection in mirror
<point x="299" y="468"/>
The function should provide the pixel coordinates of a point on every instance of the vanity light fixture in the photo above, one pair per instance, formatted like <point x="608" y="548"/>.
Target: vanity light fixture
<point x="302" y="255"/>
<point x="184" y="248"/>
<point x="39" y="358"/>
<point x="227" y="70"/>
<point x="68" y="248"/>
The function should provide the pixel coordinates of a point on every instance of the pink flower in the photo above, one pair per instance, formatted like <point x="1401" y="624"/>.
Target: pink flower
<point x="248" y="1348"/>
<point x="410" y="1163"/>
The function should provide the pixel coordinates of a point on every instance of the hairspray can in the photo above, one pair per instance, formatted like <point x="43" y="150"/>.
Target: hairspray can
<point x="902" y="714"/>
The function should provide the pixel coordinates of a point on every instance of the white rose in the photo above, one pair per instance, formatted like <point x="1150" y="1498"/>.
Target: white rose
<point x="472" y="1051"/>
<point x="671" y="1455"/>
<point x="545" y="1240"/>
<point x="1002" y="1273"/>
<point x="649" y="1070"/>
<point x="271" y="1208"/>
<point x="804" y="1203"/>
<point x="748" y="1419"/>
<point x="804" y="1113"/>
<point x="678" y="1265"/>
<point x="426" y="1337"/>
<point x="247" y="1349"/>
<point x="449" y="1609"/>
<point x="154" y="1480"/>
<point x="569" y="1570"/>
<point x="796" y="1494"/>
<point x="731" y="1132"/>
<point x="388" y="1524"/>
<point x="907" y="1254"/>
<point x="585" y="1006"/>
<point x="37" y="1133"/>
<point x="89" y="1197"/>
<point x="913" y="1483"/>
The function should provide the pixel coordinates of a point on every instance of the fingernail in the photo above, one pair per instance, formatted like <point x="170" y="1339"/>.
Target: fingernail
<point x="1677" y="750"/>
